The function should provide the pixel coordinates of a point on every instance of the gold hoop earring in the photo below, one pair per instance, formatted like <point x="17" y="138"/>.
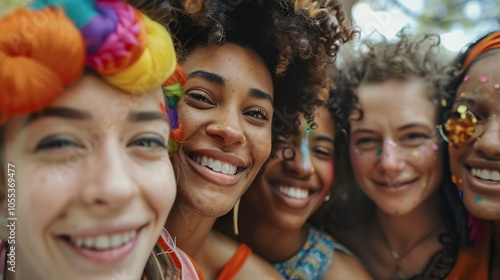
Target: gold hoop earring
<point x="235" y="217"/>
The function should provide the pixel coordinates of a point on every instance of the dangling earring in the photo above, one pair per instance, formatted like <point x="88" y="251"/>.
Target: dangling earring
<point x="327" y="197"/>
<point x="235" y="217"/>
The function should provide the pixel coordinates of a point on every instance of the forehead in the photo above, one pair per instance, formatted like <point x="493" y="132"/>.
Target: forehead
<point x="482" y="82"/>
<point x="234" y="63"/>
<point x="395" y="99"/>
<point x="323" y="120"/>
<point x="91" y="93"/>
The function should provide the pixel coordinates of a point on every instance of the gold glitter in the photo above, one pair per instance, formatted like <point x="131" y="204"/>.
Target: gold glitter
<point x="443" y="102"/>
<point x="454" y="179"/>
<point x="462" y="94"/>
<point x="496" y="86"/>
<point x="460" y="180"/>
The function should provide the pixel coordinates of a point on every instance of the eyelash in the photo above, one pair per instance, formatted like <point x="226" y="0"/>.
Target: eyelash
<point x="57" y="142"/>
<point x="198" y="97"/>
<point x="262" y="114"/>
<point x="150" y="140"/>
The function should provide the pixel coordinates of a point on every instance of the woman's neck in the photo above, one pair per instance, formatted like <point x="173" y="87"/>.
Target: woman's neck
<point x="188" y="228"/>
<point x="400" y="231"/>
<point x="267" y="240"/>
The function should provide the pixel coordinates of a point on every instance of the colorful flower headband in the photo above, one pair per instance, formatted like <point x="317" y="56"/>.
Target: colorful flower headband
<point x="46" y="46"/>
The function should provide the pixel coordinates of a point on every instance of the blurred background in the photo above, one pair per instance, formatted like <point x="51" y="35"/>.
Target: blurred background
<point x="458" y="22"/>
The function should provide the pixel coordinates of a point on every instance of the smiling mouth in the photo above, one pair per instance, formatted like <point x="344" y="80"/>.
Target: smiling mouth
<point x="215" y="165"/>
<point x="103" y="241"/>
<point x="395" y="184"/>
<point x="490" y="176"/>
<point x="293" y="192"/>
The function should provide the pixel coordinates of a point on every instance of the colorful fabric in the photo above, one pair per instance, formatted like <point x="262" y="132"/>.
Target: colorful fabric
<point x="236" y="262"/>
<point x="313" y="260"/>
<point x="185" y="264"/>
<point x="473" y="262"/>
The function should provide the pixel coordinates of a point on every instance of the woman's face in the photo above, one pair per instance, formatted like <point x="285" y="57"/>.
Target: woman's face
<point x="295" y="182"/>
<point x="475" y="164"/>
<point x="94" y="183"/>
<point x="226" y="111"/>
<point x="393" y="148"/>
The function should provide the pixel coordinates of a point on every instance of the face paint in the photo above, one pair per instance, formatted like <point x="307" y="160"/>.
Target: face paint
<point x="478" y="198"/>
<point x="466" y="78"/>
<point x="304" y="148"/>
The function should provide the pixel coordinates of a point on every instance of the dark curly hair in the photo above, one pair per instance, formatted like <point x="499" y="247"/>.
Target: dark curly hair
<point x="408" y="58"/>
<point x="295" y="38"/>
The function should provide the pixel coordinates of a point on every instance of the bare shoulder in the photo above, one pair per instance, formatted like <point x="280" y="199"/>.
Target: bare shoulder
<point x="346" y="267"/>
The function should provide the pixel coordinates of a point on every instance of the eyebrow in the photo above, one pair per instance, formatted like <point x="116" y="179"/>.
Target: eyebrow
<point x="212" y="77"/>
<point x="221" y="81"/>
<point x="257" y="93"/>
<point x="79" y="115"/>
<point x="135" y="116"/>
<point x="466" y="100"/>
<point x="324" y="138"/>
<point x="58" y="112"/>
<point x="415" y="124"/>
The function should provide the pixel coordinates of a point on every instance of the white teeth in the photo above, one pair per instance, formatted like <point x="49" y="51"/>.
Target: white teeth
<point x="292" y="192"/>
<point x="216" y="165"/>
<point x="495" y="176"/>
<point x="103" y="242"/>
<point x="484" y="174"/>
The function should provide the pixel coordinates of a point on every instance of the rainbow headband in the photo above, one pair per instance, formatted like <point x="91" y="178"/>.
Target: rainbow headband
<point x="490" y="42"/>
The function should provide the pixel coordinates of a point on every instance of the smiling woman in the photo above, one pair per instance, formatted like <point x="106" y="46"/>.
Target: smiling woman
<point x="400" y="215"/>
<point x="84" y="152"/>
<point x="251" y="67"/>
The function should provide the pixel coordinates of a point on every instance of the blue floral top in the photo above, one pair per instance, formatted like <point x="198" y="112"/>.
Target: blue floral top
<point x="313" y="259"/>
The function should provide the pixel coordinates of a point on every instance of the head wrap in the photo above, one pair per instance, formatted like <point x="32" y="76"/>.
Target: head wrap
<point x="46" y="46"/>
<point x="491" y="41"/>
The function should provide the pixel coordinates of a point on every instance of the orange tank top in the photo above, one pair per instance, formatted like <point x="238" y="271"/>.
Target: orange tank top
<point x="235" y="264"/>
<point x="473" y="262"/>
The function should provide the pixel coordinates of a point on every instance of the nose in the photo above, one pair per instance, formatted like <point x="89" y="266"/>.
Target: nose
<point x="300" y="164"/>
<point x="488" y="143"/>
<point x="391" y="161"/>
<point x="110" y="185"/>
<point x="228" y="130"/>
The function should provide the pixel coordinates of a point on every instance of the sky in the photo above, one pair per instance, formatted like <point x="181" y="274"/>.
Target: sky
<point x="390" y="21"/>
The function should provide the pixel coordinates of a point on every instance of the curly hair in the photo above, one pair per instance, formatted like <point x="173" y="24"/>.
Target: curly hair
<point x="295" y="38"/>
<point x="373" y="63"/>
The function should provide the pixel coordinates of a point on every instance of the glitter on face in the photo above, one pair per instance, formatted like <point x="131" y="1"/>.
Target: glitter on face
<point x="454" y="179"/>
<point x="476" y="91"/>
<point x="379" y="152"/>
<point x="478" y="198"/>
<point x="434" y="146"/>
<point x="496" y="86"/>
<point x="466" y="78"/>
<point x="391" y="143"/>
<point x="484" y="78"/>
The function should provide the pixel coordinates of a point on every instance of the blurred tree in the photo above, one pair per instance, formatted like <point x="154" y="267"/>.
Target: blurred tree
<point x="441" y="16"/>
